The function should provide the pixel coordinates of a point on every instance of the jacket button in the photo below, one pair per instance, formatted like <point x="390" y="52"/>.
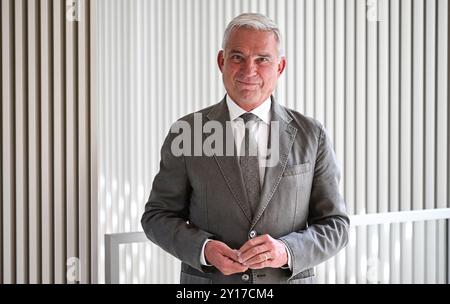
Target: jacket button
<point x="245" y="277"/>
<point x="252" y="234"/>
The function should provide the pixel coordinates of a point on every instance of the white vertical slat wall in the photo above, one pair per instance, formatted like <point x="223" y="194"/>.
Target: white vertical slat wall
<point x="375" y="73"/>
<point x="48" y="169"/>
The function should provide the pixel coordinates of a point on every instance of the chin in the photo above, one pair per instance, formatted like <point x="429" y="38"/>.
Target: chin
<point x="249" y="98"/>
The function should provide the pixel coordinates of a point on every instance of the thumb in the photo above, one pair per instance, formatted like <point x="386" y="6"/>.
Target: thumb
<point x="230" y="253"/>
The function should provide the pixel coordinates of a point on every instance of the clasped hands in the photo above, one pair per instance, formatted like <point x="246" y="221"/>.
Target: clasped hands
<point x="260" y="252"/>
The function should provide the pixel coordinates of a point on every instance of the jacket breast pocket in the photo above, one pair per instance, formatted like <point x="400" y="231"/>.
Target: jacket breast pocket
<point x="297" y="169"/>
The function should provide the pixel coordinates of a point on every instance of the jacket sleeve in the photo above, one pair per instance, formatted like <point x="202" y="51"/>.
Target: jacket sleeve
<point x="328" y="223"/>
<point x="165" y="219"/>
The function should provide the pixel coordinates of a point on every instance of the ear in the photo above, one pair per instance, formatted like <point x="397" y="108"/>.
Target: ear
<point x="220" y="60"/>
<point x="281" y="65"/>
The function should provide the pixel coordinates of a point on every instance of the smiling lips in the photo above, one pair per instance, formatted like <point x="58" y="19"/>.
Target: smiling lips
<point x="246" y="83"/>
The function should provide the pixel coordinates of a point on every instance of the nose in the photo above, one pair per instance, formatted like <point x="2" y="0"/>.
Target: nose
<point x="248" y="68"/>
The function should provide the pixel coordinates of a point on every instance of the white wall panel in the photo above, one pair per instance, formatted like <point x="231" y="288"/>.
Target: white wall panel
<point x="375" y="73"/>
<point x="48" y="194"/>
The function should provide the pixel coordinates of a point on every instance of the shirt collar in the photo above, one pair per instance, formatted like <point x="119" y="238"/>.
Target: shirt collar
<point x="262" y="111"/>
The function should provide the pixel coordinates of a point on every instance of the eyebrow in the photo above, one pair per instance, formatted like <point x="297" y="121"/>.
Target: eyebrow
<point x="236" y="52"/>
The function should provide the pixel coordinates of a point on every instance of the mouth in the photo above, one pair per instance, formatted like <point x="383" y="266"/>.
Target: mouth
<point x="247" y="83"/>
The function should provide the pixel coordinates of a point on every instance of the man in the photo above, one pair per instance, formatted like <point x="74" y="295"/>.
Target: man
<point x="241" y="218"/>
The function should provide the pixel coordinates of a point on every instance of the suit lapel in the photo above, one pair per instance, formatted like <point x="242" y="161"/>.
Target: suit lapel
<point x="229" y="165"/>
<point x="274" y="174"/>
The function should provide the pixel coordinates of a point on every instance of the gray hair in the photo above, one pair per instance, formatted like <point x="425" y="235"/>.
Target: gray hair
<point x="253" y="21"/>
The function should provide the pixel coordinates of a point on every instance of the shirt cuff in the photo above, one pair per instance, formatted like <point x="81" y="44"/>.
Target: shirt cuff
<point x="289" y="264"/>
<point x="202" y="254"/>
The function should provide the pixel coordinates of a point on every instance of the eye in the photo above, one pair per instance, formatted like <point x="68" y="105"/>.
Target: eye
<point x="263" y="60"/>
<point x="236" y="58"/>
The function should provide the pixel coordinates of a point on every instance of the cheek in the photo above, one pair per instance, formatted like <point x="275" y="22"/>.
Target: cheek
<point x="270" y="78"/>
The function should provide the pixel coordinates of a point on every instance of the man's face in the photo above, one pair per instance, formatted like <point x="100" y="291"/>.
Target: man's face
<point x="250" y="66"/>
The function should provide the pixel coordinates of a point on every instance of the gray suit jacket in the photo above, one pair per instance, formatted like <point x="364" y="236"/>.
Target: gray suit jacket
<point x="198" y="197"/>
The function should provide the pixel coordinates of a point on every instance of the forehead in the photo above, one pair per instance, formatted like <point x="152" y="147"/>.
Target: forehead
<point x="243" y="39"/>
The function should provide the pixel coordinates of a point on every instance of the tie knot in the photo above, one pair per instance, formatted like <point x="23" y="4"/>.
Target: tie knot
<point x="249" y="117"/>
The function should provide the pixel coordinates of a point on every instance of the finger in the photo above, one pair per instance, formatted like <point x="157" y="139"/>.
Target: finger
<point x="225" y="250"/>
<point x="230" y="253"/>
<point x="234" y="267"/>
<point x="260" y="265"/>
<point x="260" y="258"/>
<point x="253" y="252"/>
<point x="252" y="243"/>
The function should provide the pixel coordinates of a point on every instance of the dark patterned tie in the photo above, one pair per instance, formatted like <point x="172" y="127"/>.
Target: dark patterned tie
<point x="249" y="162"/>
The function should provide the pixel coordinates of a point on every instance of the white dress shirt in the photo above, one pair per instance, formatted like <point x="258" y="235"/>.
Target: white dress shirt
<point x="260" y="130"/>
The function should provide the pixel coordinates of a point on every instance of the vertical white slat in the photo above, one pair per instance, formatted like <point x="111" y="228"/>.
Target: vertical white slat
<point x="152" y="138"/>
<point x="405" y="134"/>
<point x="329" y="65"/>
<point x="373" y="262"/>
<point x="429" y="134"/>
<point x="310" y="58"/>
<point x="71" y="142"/>
<point x="349" y="142"/>
<point x="46" y="145"/>
<point x="351" y="260"/>
<point x="8" y="150"/>
<point x="142" y="48"/>
<point x="319" y="34"/>
<point x="417" y="137"/>
<point x="59" y="142"/>
<point x="383" y="136"/>
<point x="395" y="254"/>
<point x="340" y="94"/>
<point x="340" y="69"/>
<point x="195" y="51"/>
<point x="203" y="54"/>
<point x="289" y="43"/>
<point x="131" y="168"/>
<point x="219" y="20"/>
<point x="442" y="134"/>
<point x="394" y="132"/>
<point x="93" y="152"/>
<point x="360" y="143"/>
<point x="136" y="110"/>
<point x="102" y="132"/>
<point x="34" y="229"/>
<point x="176" y="63"/>
<point x="213" y="48"/>
<point x="349" y="102"/>
<point x="271" y="9"/>
<point x="83" y="224"/>
<point x="155" y="94"/>
<point x="280" y="19"/>
<point x="21" y="164"/>
<point x="253" y="6"/>
<point x="145" y="259"/>
<point x="127" y="129"/>
<point x="119" y="11"/>
<point x="189" y="55"/>
<point x="384" y="249"/>
<point x="262" y="7"/>
<point x="299" y="52"/>
<point x="372" y="138"/>
<point x="118" y="17"/>
<point x="244" y="7"/>
<point x="21" y="96"/>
